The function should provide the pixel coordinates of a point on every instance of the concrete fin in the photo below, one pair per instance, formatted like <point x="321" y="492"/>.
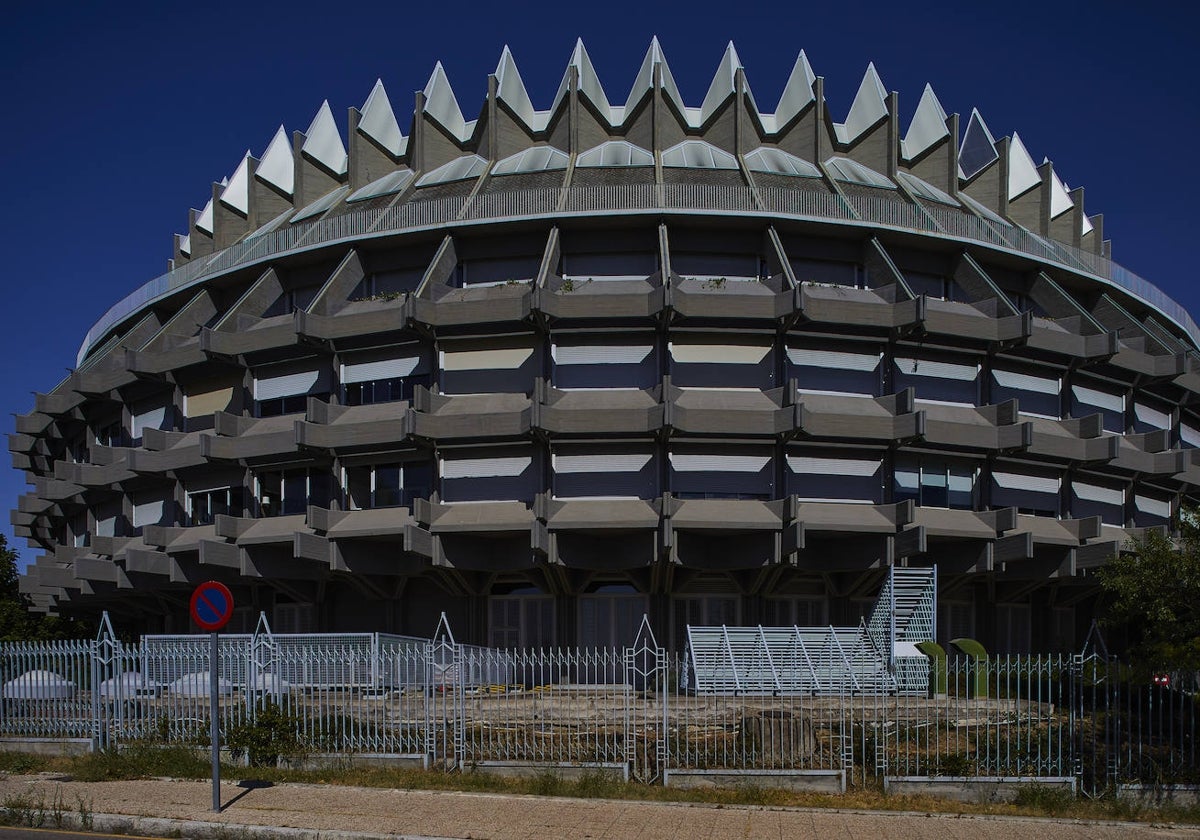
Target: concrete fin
<point x="204" y="221"/>
<point x="378" y="121"/>
<point x="868" y="108"/>
<point x="237" y="192"/>
<point x="277" y="167"/>
<point x="723" y="83"/>
<point x="978" y="149"/>
<point x="441" y="104"/>
<point x="928" y="125"/>
<point x="323" y="141"/>
<point x="1022" y="171"/>
<point x="185" y="245"/>
<point x="797" y="93"/>
<point x="511" y="89"/>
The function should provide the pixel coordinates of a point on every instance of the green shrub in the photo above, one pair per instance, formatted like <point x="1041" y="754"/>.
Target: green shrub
<point x="268" y="735"/>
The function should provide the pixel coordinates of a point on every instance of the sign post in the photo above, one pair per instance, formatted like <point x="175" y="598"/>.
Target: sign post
<point x="211" y="608"/>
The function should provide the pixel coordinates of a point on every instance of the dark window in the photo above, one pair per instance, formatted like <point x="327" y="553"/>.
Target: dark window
<point x="203" y="507"/>
<point x="384" y="390"/>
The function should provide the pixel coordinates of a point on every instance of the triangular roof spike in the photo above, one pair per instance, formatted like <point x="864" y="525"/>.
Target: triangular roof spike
<point x="928" y="125"/>
<point x="645" y="78"/>
<point x="978" y="148"/>
<point x="1022" y="171"/>
<point x="797" y="93"/>
<point x="378" y="121"/>
<point x="1060" y="196"/>
<point x="323" y="142"/>
<point x="589" y="82"/>
<point x="204" y="221"/>
<point x="237" y="192"/>
<point x="511" y="89"/>
<point x="723" y="83"/>
<point x="277" y="167"/>
<point x="442" y="105"/>
<point x="1086" y="226"/>
<point x="868" y="108"/>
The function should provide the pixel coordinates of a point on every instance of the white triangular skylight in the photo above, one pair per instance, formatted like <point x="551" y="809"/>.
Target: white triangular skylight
<point x="441" y="104"/>
<point x="511" y="91"/>
<point x="378" y="121"/>
<point x="928" y="125"/>
<point x="645" y="79"/>
<point x="868" y="108"/>
<point x="204" y="221"/>
<point x="237" y="192"/>
<point x="323" y="142"/>
<point x="277" y="167"/>
<point x="978" y="149"/>
<point x="1060" y="196"/>
<point x="722" y="86"/>
<point x="589" y="82"/>
<point x="1022" y="171"/>
<point x="797" y="93"/>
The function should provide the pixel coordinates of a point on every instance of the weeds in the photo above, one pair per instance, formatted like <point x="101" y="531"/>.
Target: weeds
<point x="1049" y="800"/>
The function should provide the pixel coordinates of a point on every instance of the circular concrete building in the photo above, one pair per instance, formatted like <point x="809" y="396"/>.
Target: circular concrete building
<point x="549" y="370"/>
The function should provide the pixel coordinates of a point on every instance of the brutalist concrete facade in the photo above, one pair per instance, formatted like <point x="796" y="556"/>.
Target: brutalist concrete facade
<point x="548" y="370"/>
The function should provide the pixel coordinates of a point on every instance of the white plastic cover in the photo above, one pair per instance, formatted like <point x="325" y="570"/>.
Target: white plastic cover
<point x="459" y="169"/>
<point x="237" y="192"/>
<point x="767" y="159"/>
<point x="455" y="467"/>
<point x="378" y="121"/>
<point x="928" y="125"/>
<point x="323" y="142"/>
<point x="797" y="92"/>
<point x="533" y="159"/>
<point x="277" y="167"/>
<point x="697" y="154"/>
<point x="441" y="104"/>
<point x="615" y="153"/>
<point x="868" y="108"/>
<point x="722" y="85"/>
<point x="1022" y="171"/>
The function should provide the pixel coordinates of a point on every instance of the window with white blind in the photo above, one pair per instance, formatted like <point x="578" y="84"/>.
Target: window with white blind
<point x="1038" y="393"/>
<point x="492" y="366"/>
<point x="1095" y="497"/>
<point x="1089" y="398"/>
<point x="489" y="475"/>
<point x="149" y="509"/>
<point x="629" y="361"/>
<point x="722" y="363"/>
<point x="285" y="389"/>
<point x="1151" y="508"/>
<point x="144" y="416"/>
<point x="728" y="472"/>
<point x="383" y="375"/>
<point x="835" y="369"/>
<point x="596" y="471"/>
<point x="1151" y="415"/>
<point x="202" y="399"/>
<point x="1029" y="489"/>
<point x="854" y="476"/>
<point x="937" y="379"/>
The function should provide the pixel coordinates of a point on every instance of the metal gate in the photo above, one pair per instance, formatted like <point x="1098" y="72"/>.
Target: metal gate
<point x="445" y="685"/>
<point x="645" y="706"/>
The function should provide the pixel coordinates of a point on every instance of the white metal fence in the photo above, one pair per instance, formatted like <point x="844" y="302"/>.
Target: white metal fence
<point x="457" y="706"/>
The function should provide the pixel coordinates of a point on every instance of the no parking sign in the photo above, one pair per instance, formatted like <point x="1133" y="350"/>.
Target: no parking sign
<point x="212" y="605"/>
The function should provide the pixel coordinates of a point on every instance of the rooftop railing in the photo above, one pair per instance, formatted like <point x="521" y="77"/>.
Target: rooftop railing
<point x="808" y="205"/>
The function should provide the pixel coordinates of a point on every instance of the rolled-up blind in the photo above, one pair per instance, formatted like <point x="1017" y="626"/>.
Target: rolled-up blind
<point x="151" y="418"/>
<point x="600" y="354"/>
<point x="805" y="465"/>
<point x="202" y="403"/>
<point x="148" y="512"/>
<point x="1100" y="399"/>
<point x="1153" y="506"/>
<point x="498" y="358"/>
<point x="289" y="381"/>
<point x="370" y="369"/>
<point x="453" y="468"/>
<point x="1152" y="416"/>
<point x="613" y="463"/>
<point x="681" y="462"/>
<point x="1028" y="483"/>
<point x="935" y="369"/>
<point x="1026" y="382"/>
<point x="834" y="359"/>
<point x="1097" y="493"/>
<point x="723" y="354"/>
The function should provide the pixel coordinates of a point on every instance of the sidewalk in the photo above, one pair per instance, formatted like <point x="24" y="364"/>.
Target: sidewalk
<point x="295" y="811"/>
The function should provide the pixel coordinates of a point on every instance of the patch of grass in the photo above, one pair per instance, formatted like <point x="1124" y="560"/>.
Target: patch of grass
<point x="1047" y="800"/>
<point x="21" y="764"/>
<point x="140" y="761"/>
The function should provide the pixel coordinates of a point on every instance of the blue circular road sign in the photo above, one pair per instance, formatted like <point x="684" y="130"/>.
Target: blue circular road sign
<point x="212" y="605"/>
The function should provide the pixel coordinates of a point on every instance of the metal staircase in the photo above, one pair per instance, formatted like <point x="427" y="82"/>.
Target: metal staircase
<point x="877" y="657"/>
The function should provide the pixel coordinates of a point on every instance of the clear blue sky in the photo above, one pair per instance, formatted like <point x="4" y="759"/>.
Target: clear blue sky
<point x="120" y="115"/>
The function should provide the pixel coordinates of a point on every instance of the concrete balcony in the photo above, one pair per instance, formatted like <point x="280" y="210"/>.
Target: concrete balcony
<point x="356" y="318"/>
<point x="1063" y="338"/>
<point x="481" y="305"/>
<point x="723" y="299"/>
<point x="829" y="304"/>
<point x="889" y="418"/>
<point x="182" y="353"/>
<point x="601" y="300"/>
<point x="337" y="428"/>
<point x="246" y="438"/>
<point x="167" y="451"/>
<point x="252" y="335"/>
<point x="995" y="428"/>
<point x="441" y="417"/>
<point x="1080" y="440"/>
<point x="964" y="320"/>
<point x="621" y="411"/>
<point x="736" y="411"/>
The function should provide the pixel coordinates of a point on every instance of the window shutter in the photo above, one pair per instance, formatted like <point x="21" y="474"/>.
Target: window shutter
<point x="288" y="381"/>
<point x="833" y="359"/>
<point x="367" y="370"/>
<point x="1026" y="382"/>
<point x="937" y="370"/>
<point x="1099" y="399"/>
<point x="453" y="468"/>
<point x="722" y="354"/>
<point x="804" y="465"/>
<point x="600" y="354"/>
<point x="204" y="403"/>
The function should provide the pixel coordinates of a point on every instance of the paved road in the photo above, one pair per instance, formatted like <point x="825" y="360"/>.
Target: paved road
<point x="304" y="812"/>
<point x="48" y="834"/>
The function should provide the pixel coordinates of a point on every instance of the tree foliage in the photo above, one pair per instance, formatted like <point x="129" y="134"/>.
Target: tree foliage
<point x="17" y="622"/>
<point x="1153" y="594"/>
